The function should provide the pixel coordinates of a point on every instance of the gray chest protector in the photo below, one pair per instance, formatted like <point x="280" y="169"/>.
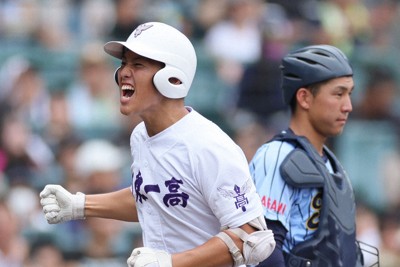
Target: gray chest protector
<point x="334" y="242"/>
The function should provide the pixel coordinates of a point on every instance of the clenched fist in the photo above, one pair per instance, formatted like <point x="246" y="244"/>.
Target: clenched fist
<point x="59" y="205"/>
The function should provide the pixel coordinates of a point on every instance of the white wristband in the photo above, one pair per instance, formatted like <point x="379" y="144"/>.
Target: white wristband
<point x="78" y="210"/>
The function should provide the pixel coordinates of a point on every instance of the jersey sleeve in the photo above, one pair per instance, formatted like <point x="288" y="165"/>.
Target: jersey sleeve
<point x="276" y="195"/>
<point x="227" y="186"/>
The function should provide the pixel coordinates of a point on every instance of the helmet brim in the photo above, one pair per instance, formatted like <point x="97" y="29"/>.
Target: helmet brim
<point x="115" y="48"/>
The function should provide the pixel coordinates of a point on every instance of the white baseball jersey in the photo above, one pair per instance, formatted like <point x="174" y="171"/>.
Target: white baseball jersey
<point x="189" y="181"/>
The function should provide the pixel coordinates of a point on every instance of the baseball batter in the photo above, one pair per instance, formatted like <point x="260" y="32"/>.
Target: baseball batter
<point x="308" y="199"/>
<point x="191" y="190"/>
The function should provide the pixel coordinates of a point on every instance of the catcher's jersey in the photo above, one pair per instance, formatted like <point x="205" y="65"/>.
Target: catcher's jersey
<point x="297" y="209"/>
<point x="189" y="181"/>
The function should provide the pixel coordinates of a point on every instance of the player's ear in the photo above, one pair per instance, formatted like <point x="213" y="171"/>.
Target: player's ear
<point x="174" y="81"/>
<point x="303" y="97"/>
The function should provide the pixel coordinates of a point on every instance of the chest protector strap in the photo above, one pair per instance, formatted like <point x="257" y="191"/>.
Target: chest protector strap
<point x="334" y="243"/>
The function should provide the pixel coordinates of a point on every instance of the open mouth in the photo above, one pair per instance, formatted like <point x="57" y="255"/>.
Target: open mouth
<point x="127" y="90"/>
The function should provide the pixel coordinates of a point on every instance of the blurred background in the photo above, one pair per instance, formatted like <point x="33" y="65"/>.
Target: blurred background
<point x="60" y="120"/>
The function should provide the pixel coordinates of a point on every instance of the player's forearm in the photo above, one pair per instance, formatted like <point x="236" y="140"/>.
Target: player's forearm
<point x="213" y="253"/>
<point x="119" y="205"/>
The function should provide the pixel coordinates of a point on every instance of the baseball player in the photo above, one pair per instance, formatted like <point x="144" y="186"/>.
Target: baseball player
<point x="191" y="190"/>
<point x="307" y="196"/>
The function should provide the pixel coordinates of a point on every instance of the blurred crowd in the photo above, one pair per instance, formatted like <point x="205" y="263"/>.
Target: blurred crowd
<point x="60" y="120"/>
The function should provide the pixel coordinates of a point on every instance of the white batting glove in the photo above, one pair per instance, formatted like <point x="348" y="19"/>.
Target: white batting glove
<point x="147" y="257"/>
<point x="59" y="205"/>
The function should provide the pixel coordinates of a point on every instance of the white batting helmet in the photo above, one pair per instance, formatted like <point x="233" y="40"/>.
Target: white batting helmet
<point x="163" y="43"/>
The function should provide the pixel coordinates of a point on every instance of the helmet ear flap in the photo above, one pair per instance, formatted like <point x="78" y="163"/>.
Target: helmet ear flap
<point x="168" y="89"/>
<point x="116" y="75"/>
